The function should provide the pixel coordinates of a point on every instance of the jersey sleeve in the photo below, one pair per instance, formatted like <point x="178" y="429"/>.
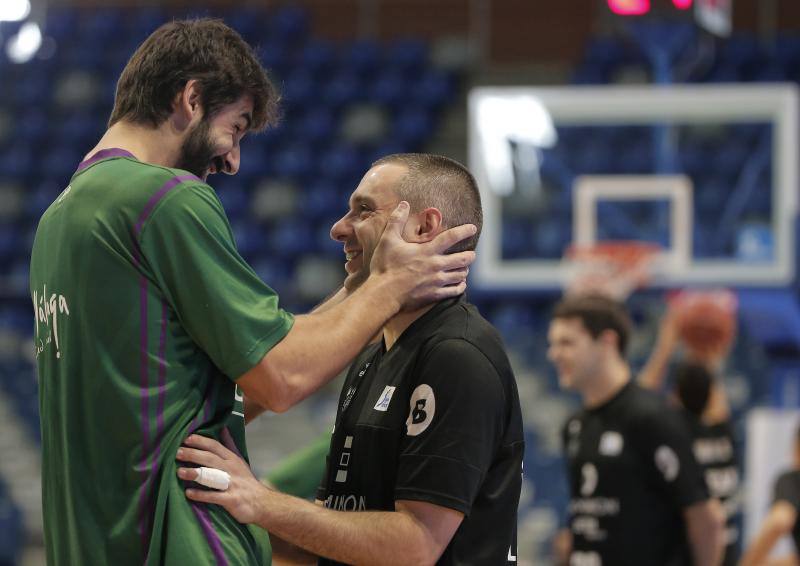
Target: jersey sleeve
<point x="786" y="489"/>
<point x="666" y="447"/>
<point x="456" y="416"/>
<point x="188" y="248"/>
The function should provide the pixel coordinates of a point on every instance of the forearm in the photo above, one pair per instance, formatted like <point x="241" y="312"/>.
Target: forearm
<point x="364" y="537"/>
<point x="705" y="531"/>
<point x="319" y="346"/>
<point x="652" y="375"/>
<point x="331" y="300"/>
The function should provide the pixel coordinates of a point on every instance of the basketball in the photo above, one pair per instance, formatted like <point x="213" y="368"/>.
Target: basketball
<point x="706" y="320"/>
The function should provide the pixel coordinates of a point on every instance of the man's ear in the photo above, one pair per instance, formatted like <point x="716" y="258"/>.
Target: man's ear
<point x="187" y="107"/>
<point x="427" y="225"/>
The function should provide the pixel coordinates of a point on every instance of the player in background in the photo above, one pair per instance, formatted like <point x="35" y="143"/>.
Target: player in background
<point x="637" y="494"/>
<point x="700" y="394"/>
<point x="781" y="519"/>
<point x="428" y="443"/>
<point x="149" y="324"/>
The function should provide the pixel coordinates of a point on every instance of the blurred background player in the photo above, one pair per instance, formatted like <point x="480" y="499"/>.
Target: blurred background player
<point x="704" y="323"/>
<point x="637" y="494"/>
<point x="781" y="519"/>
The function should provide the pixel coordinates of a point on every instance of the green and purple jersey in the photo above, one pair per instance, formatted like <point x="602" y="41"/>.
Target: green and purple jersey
<point x="145" y="315"/>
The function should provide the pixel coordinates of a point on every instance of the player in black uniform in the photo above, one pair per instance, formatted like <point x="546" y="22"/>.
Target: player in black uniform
<point x="428" y="440"/>
<point x="704" y="406"/>
<point x="781" y="519"/>
<point x="637" y="494"/>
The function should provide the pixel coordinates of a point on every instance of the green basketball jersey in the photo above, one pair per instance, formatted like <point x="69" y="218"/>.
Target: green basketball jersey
<point x="145" y="315"/>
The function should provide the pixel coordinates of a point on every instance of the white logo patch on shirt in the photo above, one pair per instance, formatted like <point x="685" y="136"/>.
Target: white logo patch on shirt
<point x="385" y="399"/>
<point x="611" y="443"/>
<point x="422" y="408"/>
<point x="667" y="462"/>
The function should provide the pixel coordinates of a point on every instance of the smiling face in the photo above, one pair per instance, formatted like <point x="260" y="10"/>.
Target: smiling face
<point x="575" y="353"/>
<point x="361" y="228"/>
<point x="212" y="145"/>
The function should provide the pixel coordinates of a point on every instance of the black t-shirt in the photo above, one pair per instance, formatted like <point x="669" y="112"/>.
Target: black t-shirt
<point x="787" y="488"/>
<point x="436" y="419"/>
<point x="631" y="474"/>
<point x="715" y="451"/>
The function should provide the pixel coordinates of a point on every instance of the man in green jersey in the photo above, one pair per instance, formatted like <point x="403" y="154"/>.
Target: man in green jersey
<point x="150" y="326"/>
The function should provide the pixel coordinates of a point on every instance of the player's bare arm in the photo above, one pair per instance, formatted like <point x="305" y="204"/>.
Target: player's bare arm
<point x="705" y="524"/>
<point x="779" y="523"/>
<point x="415" y="533"/>
<point x="321" y="344"/>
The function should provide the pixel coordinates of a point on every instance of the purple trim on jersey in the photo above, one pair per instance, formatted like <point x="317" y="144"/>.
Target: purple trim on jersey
<point x="105" y="154"/>
<point x="144" y="378"/>
<point x="144" y="360"/>
<point x="161" y="390"/>
<point x="211" y="535"/>
<point x="154" y="200"/>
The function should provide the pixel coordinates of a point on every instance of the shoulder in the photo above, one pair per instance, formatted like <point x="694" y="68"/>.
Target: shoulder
<point x="460" y="330"/>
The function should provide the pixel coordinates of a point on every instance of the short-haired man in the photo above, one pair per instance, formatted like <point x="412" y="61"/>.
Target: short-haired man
<point x="150" y="325"/>
<point x="637" y="494"/>
<point x="428" y="440"/>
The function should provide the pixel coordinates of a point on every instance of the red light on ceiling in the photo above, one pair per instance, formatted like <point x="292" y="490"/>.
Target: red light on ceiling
<point x="682" y="4"/>
<point x="630" y="7"/>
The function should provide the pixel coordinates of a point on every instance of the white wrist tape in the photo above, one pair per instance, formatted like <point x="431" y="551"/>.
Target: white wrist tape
<point x="213" y="478"/>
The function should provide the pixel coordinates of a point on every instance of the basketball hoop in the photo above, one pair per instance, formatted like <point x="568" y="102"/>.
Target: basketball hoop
<point x="614" y="269"/>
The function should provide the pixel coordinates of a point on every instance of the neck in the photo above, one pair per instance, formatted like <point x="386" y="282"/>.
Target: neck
<point x="615" y="375"/>
<point x="396" y="325"/>
<point x="159" y="146"/>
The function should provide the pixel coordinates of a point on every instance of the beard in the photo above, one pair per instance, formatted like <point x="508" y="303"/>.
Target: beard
<point x="197" y="151"/>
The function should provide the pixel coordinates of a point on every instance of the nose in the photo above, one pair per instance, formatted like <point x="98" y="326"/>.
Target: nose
<point x="341" y="230"/>
<point x="232" y="160"/>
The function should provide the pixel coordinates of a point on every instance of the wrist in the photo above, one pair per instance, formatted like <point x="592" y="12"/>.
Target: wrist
<point x="384" y="291"/>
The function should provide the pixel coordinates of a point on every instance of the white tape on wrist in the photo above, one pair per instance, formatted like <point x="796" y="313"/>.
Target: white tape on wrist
<point x="213" y="478"/>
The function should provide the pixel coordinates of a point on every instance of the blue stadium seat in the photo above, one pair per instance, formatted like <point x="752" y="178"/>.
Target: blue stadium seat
<point x="317" y="57"/>
<point x="432" y="89"/>
<point x="408" y="56"/>
<point x="61" y="22"/>
<point x="322" y="199"/>
<point x="290" y="238"/>
<point x="412" y="125"/>
<point x="234" y="198"/>
<point x="342" y="89"/>
<point x="295" y="161"/>
<point x="288" y="24"/>
<point x="341" y="163"/>
<point x="11" y="529"/>
<point x="300" y="89"/>
<point x="99" y="25"/>
<point x="388" y="88"/>
<point x="362" y="57"/>
<point x="316" y="127"/>
<point x="275" y="56"/>
<point x="250" y="238"/>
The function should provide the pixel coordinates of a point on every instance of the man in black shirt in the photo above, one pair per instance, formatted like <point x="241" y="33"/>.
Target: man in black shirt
<point x="637" y="494"/>
<point x="704" y="406"/>
<point x="428" y="440"/>
<point x="781" y="519"/>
